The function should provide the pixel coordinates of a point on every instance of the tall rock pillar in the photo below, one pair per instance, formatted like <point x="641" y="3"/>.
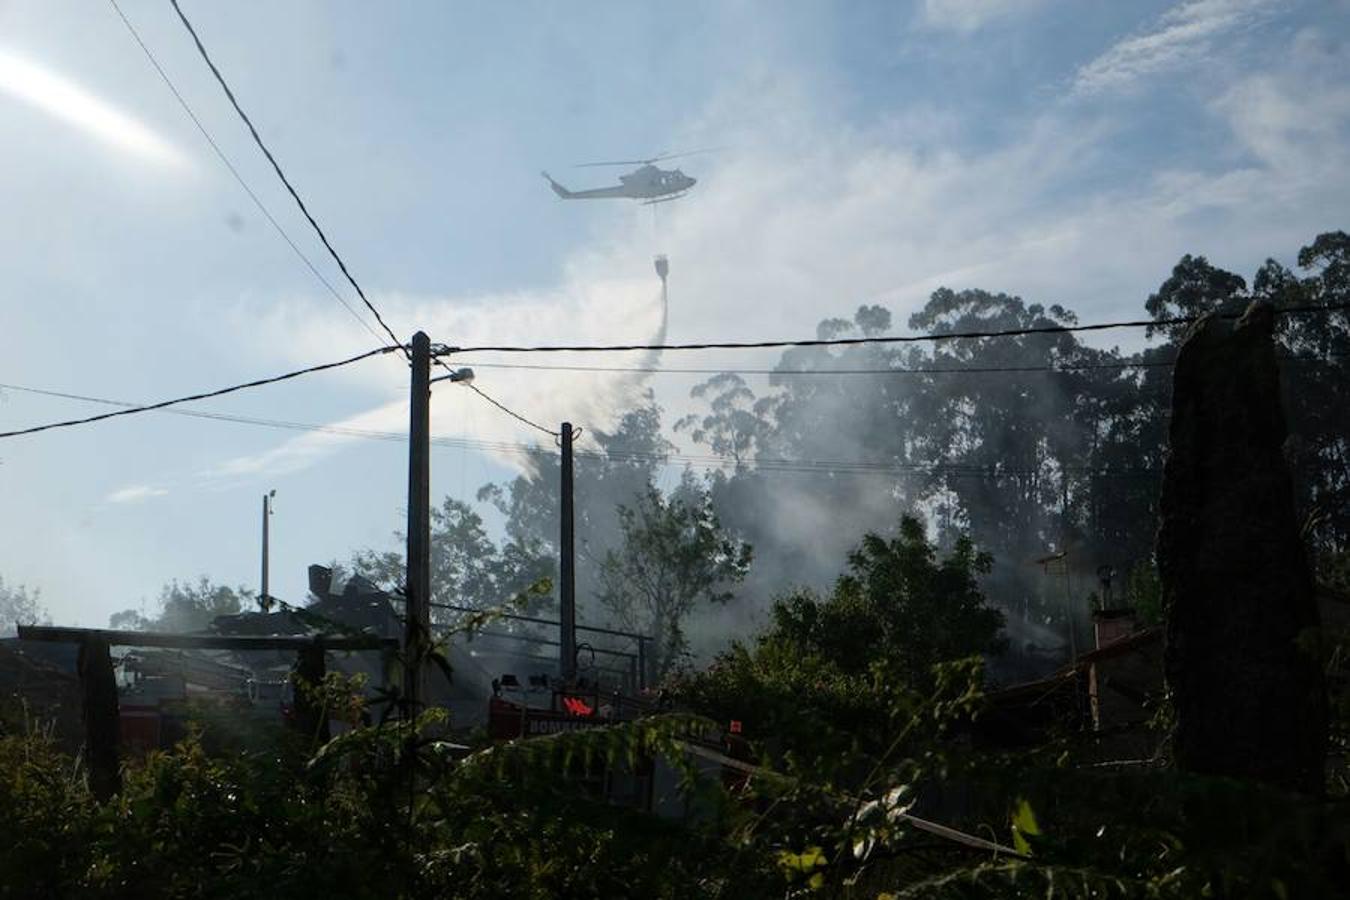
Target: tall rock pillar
<point x="1237" y="590"/>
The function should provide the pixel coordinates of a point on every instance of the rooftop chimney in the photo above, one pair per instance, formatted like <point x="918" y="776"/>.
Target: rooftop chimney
<point x="320" y="580"/>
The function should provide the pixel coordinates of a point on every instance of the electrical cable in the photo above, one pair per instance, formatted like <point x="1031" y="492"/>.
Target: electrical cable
<point x="701" y="461"/>
<point x="202" y="396"/>
<point x="501" y="406"/>
<point x="438" y="353"/>
<point x="505" y="409"/>
<point x="510" y="412"/>
<point x="267" y="214"/>
<point x="854" y="341"/>
<point x="1057" y="369"/>
<point x="276" y="167"/>
<point x="1067" y="368"/>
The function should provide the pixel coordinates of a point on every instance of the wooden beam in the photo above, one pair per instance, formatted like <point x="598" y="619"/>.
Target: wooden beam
<point x="491" y="614"/>
<point x="202" y="641"/>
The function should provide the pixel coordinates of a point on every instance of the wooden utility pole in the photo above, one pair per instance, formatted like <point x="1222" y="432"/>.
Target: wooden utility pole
<point x="566" y="567"/>
<point x="417" y="582"/>
<point x="311" y="718"/>
<point x="98" y="690"/>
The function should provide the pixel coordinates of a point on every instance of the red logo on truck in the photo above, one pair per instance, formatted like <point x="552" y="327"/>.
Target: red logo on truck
<point x="577" y="707"/>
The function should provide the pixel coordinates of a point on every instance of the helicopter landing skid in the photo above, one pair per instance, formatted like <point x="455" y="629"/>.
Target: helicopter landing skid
<point x="664" y="199"/>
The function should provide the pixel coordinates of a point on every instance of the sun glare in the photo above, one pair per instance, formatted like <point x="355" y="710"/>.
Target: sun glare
<point x="60" y="98"/>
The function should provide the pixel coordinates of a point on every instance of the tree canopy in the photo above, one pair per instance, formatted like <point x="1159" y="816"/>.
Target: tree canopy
<point x="20" y="605"/>
<point x="900" y="607"/>
<point x="186" y="607"/>
<point x="673" y="554"/>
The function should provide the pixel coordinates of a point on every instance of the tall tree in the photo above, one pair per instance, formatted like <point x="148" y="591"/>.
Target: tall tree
<point x="900" y="605"/>
<point x="1049" y="444"/>
<point x="673" y="556"/>
<point x="185" y="606"/>
<point x="20" y="605"/>
<point x="1194" y="288"/>
<point x="611" y="469"/>
<point x="1009" y="452"/>
<point x="1314" y="352"/>
<point x="1316" y="381"/>
<point x="807" y="449"/>
<point x="1010" y="447"/>
<point x="467" y="567"/>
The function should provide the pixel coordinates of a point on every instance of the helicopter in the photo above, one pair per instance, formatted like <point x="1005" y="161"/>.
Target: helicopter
<point x="647" y="184"/>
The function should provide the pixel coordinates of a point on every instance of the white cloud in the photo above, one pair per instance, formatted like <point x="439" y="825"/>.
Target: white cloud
<point x="809" y="218"/>
<point x="1181" y="36"/>
<point x="65" y="100"/>
<point x="1294" y="120"/>
<point x="135" y="493"/>
<point x="587" y="308"/>
<point x="300" y="452"/>
<point x="971" y="15"/>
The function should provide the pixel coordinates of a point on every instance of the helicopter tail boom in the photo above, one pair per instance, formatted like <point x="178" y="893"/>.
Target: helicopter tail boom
<point x="558" y="189"/>
<point x="594" y="194"/>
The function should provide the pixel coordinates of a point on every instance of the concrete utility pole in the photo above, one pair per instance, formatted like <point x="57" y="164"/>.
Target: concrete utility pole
<point x="264" y="598"/>
<point x="417" y="581"/>
<point x="566" y="567"/>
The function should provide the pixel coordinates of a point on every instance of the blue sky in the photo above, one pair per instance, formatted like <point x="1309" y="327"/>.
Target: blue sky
<point x="1065" y="150"/>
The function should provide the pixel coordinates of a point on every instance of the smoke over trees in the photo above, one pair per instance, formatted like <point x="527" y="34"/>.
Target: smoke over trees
<point x="673" y="556"/>
<point x="896" y="590"/>
<point x="1031" y="444"/>
<point x="468" y="568"/>
<point x="185" y="606"/>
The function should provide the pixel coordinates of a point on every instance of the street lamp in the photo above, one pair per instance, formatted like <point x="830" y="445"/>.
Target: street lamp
<point x="460" y="376"/>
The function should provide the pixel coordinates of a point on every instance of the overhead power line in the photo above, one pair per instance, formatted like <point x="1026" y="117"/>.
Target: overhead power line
<point x="855" y="341"/>
<point x="1054" y="369"/>
<point x="318" y="230"/>
<point x="220" y="154"/>
<point x="510" y="412"/>
<point x="675" y="459"/>
<point x="1066" y="368"/>
<point x="132" y="410"/>
<point x="276" y="167"/>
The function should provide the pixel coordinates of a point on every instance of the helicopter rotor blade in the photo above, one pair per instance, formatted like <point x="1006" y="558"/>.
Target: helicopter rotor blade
<point x="618" y="162"/>
<point x="647" y="162"/>
<point x="666" y="156"/>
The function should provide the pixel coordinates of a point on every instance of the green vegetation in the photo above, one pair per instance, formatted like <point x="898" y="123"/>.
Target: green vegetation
<point x="843" y="675"/>
<point x="853" y="729"/>
<point x="186" y="607"/>
<point x="20" y="606"/>
<point x="673" y="555"/>
<point x="1143" y="593"/>
<point x="862" y="698"/>
<point x="341" y="824"/>
<point x="1052" y="443"/>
